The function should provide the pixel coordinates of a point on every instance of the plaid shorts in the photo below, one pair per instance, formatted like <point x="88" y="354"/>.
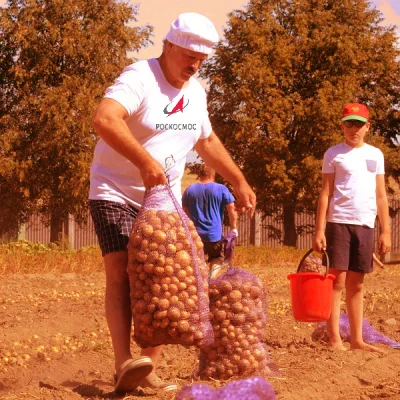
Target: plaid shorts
<point x="113" y="224"/>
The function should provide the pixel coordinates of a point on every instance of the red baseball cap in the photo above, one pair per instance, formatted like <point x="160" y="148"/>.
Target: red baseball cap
<point x="355" y="111"/>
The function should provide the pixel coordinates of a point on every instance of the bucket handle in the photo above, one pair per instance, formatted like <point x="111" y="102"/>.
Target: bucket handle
<point x="308" y="253"/>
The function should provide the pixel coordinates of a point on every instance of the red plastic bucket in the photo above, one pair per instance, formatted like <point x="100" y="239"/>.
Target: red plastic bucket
<point x="311" y="294"/>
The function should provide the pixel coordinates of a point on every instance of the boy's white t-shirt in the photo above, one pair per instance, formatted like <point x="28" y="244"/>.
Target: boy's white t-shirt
<point x="354" y="194"/>
<point x="164" y="120"/>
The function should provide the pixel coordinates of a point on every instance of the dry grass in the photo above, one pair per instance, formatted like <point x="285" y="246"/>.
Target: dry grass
<point x="262" y="256"/>
<point x="26" y="258"/>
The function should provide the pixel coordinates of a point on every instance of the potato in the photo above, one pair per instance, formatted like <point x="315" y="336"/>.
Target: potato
<point x="167" y="306"/>
<point x="237" y="310"/>
<point x="146" y="230"/>
<point x="312" y="264"/>
<point x="182" y="258"/>
<point x="159" y="236"/>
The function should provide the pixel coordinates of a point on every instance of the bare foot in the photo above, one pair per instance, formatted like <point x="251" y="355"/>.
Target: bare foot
<point x="336" y="346"/>
<point x="366" y="347"/>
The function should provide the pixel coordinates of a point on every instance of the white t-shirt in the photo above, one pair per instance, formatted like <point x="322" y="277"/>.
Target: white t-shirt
<point x="164" y="120"/>
<point x="354" y="193"/>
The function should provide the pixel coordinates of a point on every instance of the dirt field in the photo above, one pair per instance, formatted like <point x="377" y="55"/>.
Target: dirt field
<point x="54" y="342"/>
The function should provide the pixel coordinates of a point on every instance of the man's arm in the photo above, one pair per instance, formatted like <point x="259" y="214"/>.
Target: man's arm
<point x="319" y="240"/>
<point x="214" y="154"/>
<point x="109" y="123"/>
<point x="232" y="215"/>
<point x="385" y="241"/>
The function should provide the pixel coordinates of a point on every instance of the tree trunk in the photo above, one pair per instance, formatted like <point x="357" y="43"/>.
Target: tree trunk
<point x="289" y="226"/>
<point x="56" y="228"/>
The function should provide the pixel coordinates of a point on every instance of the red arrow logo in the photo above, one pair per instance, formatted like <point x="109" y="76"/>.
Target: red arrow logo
<point x="179" y="107"/>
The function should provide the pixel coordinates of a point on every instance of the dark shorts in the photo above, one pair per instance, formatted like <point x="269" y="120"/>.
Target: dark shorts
<point x="214" y="251"/>
<point x="350" y="247"/>
<point x="113" y="224"/>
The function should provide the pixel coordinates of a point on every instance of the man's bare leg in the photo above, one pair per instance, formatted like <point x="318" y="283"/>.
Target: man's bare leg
<point x="118" y="309"/>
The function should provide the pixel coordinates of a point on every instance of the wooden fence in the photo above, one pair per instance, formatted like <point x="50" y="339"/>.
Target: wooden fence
<point x="251" y="232"/>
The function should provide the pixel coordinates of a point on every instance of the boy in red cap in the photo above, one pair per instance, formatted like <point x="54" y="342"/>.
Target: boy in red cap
<point x="353" y="192"/>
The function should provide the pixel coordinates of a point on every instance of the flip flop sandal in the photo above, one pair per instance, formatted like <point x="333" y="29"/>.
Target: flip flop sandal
<point x="131" y="373"/>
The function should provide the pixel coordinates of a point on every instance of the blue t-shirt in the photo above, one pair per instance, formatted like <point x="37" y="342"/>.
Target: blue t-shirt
<point x="206" y="202"/>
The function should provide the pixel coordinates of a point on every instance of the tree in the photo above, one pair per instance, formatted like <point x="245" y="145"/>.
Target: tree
<point x="278" y="83"/>
<point x="12" y="198"/>
<point x="64" y="54"/>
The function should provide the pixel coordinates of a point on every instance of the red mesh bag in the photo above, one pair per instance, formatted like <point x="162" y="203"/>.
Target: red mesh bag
<point x="238" y="317"/>
<point x="167" y="275"/>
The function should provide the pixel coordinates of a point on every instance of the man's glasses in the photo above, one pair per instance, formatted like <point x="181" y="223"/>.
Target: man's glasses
<point x="353" y="122"/>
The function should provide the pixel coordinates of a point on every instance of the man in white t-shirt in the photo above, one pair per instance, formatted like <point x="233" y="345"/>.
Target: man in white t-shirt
<point x="353" y="193"/>
<point x="154" y="110"/>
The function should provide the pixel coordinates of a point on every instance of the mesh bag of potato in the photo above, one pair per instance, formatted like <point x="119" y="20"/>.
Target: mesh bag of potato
<point x="238" y="317"/>
<point x="311" y="263"/>
<point x="255" y="388"/>
<point x="167" y="275"/>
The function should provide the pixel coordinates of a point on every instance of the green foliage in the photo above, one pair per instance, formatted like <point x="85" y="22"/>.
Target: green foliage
<point x="25" y="247"/>
<point x="279" y="82"/>
<point x="61" y="55"/>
